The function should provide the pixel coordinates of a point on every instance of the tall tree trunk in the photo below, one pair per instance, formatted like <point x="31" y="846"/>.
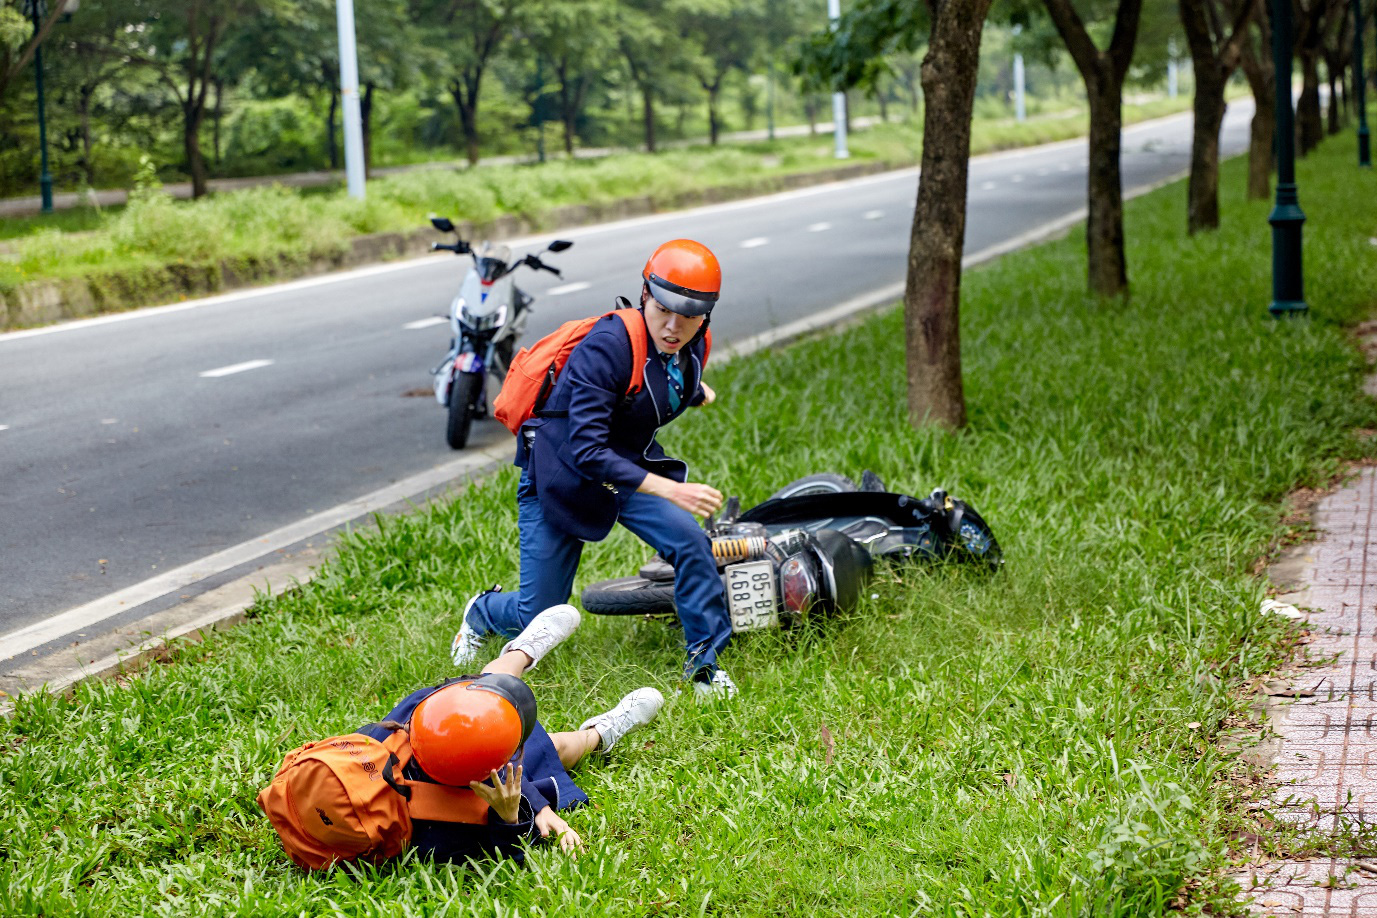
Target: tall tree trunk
<point x="714" y="125"/>
<point x="648" y="116"/>
<point x="810" y="108"/>
<point x="1332" y="109"/>
<point x="192" y="117"/>
<point x="465" y="95"/>
<point x="217" y="116"/>
<point x="884" y="106"/>
<point x="366" y="124"/>
<point x="1214" y="55"/>
<point x="1107" y="267"/>
<point x="1309" y="120"/>
<point x="1256" y="61"/>
<point x="932" y="294"/>
<point x="1103" y="73"/>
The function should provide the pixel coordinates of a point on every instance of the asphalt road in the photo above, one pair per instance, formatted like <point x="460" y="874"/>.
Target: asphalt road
<point x="122" y="459"/>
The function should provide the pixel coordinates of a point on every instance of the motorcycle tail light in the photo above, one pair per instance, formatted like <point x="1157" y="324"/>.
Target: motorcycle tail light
<point x="799" y="584"/>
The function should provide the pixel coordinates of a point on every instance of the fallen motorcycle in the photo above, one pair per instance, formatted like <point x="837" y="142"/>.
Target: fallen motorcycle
<point x="812" y="545"/>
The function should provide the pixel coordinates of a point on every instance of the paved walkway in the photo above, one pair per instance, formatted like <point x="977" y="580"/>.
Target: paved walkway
<point x="1327" y="760"/>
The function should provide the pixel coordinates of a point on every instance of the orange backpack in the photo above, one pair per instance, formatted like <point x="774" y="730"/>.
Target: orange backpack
<point x="535" y="369"/>
<point x="344" y="798"/>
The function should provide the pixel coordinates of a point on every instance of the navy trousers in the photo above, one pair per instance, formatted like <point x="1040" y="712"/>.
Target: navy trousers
<point x="550" y="558"/>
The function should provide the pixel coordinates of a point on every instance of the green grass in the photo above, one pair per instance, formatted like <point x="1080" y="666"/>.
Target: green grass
<point x="1045" y="741"/>
<point x="274" y="224"/>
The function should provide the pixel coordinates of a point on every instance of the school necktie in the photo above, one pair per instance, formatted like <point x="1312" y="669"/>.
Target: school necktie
<point x="676" y="381"/>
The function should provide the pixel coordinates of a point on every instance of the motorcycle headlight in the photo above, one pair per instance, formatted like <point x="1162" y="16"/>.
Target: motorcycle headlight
<point x="799" y="582"/>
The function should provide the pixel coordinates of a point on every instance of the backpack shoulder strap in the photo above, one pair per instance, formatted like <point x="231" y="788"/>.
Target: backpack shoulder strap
<point x="707" y="346"/>
<point x="635" y="330"/>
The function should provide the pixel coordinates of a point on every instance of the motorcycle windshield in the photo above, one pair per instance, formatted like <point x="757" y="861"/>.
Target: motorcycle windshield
<point x="492" y="261"/>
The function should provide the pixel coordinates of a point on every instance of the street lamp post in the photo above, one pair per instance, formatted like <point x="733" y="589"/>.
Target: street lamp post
<point x="1288" y="283"/>
<point x="838" y="98"/>
<point x="1360" y="84"/>
<point x="45" y="178"/>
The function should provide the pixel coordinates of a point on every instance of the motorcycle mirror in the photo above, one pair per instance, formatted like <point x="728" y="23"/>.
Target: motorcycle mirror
<point x="442" y="224"/>
<point x="559" y="245"/>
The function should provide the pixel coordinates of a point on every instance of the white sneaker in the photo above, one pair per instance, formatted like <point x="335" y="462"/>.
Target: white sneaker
<point x="637" y="709"/>
<point x="467" y="646"/>
<point x="546" y="631"/>
<point x="719" y="687"/>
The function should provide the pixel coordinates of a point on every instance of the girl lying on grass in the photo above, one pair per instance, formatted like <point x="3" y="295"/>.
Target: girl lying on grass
<point x="524" y="797"/>
<point x="458" y="770"/>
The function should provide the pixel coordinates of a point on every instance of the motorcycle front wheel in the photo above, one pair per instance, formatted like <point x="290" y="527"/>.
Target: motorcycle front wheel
<point x="462" y="395"/>
<point x="629" y="596"/>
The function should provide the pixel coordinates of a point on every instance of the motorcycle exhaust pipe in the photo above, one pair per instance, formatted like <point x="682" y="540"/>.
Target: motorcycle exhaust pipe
<point x="728" y="550"/>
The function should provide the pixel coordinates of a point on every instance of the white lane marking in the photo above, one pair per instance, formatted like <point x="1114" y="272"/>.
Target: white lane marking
<point x="873" y="214"/>
<point x="117" y="603"/>
<point x="1017" y="178"/>
<point x="425" y="323"/>
<point x="756" y="242"/>
<point x="819" y="227"/>
<point x="4" y="427"/>
<point x="575" y="287"/>
<point x="236" y="368"/>
<point x="109" y="420"/>
<point x="987" y="186"/>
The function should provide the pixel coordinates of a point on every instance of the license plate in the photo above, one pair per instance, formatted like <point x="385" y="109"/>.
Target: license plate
<point x="751" y="596"/>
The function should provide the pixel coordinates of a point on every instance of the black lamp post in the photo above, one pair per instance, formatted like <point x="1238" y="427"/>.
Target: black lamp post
<point x="45" y="178"/>
<point x="1360" y="83"/>
<point x="1288" y="281"/>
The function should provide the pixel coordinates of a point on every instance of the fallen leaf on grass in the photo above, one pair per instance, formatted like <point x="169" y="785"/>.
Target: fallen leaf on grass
<point x="828" y="745"/>
<point x="1279" y="688"/>
<point x="1193" y="725"/>
<point x="1010" y="779"/>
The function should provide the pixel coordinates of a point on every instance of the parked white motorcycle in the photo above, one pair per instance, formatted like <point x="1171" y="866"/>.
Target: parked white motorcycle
<point x="487" y="318"/>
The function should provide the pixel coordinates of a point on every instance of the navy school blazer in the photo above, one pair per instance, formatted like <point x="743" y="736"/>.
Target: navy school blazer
<point x="587" y="464"/>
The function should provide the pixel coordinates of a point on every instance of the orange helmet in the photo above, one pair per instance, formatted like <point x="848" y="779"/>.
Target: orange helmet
<point x="684" y="277"/>
<point x="467" y="728"/>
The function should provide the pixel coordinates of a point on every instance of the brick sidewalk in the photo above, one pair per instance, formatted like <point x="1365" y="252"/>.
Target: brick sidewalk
<point x="1327" y="763"/>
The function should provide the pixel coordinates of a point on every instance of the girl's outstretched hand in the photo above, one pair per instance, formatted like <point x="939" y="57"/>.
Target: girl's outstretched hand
<point x="547" y="821"/>
<point x="504" y="796"/>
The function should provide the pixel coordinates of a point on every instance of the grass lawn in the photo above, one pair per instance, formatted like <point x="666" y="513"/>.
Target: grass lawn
<point x="1044" y="741"/>
<point x="278" y="224"/>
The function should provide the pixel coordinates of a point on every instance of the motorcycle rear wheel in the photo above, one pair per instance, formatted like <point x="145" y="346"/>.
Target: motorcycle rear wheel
<point x="629" y="596"/>
<point x="462" y="394"/>
<point x="821" y="483"/>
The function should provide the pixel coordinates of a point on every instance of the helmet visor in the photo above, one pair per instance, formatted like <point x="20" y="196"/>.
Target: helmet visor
<point x="688" y="303"/>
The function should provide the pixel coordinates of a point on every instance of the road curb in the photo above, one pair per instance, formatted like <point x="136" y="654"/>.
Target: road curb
<point x="199" y="624"/>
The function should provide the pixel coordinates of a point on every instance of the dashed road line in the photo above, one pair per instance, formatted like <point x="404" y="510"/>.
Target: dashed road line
<point x="425" y="323"/>
<point x="819" y="227"/>
<point x="755" y="243"/>
<point x="873" y="214"/>
<point x="987" y="186"/>
<point x="236" y="368"/>
<point x="575" y="287"/>
<point x="4" y="427"/>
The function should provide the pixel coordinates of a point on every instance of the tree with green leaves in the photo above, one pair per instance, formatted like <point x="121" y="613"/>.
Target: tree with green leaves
<point x="467" y="35"/>
<point x="19" y="40"/>
<point x="1215" y="36"/>
<point x="725" y="33"/>
<point x="575" y="40"/>
<point x="181" y="43"/>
